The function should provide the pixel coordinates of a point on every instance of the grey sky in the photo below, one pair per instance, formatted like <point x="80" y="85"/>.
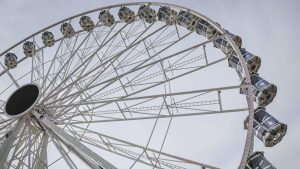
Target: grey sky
<point x="268" y="28"/>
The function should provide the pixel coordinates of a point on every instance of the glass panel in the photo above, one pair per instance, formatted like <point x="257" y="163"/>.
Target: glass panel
<point x="254" y="79"/>
<point x="262" y="84"/>
<point x="271" y="122"/>
<point x="264" y="164"/>
<point x="256" y="161"/>
<point x="260" y="115"/>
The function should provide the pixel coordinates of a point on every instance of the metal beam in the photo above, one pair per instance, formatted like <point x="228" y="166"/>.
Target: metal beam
<point x="158" y="116"/>
<point x="122" y="146"/>
<point x="83" y="152"/>
<point x="41" y="161"/>
<point x="145" y="97"/>
<point x="8" y="143"/>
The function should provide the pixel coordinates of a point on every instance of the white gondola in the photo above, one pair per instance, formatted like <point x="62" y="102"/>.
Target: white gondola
<point x="86" y="23"/>
<point x="167" y="15"/>
<point x="147" y="13"/>
<point x="263" y="90"/>
<point x="257" y="161"/>
<point x="187" y="20"/>
<point x="67" y="30"/>
<point x="126" y="15"/>
<point x="106" y="18"/>
<point x="253" y="61"/>
<point x="10" y="60"/>
<point x="224" y="45"/>
<point x="29" y="49"/>
<point x="48" y="39"/>
<point x="267" y="128"/>
<point x="205" y="29"/>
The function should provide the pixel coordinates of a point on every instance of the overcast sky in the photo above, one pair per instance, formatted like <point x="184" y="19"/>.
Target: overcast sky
<point x="268" y="28"/>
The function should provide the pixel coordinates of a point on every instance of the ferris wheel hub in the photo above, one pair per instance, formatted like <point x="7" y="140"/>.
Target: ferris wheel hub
<point x="23" y="100"/>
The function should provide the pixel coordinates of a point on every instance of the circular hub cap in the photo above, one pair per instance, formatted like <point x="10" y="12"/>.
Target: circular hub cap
<point x="22" y="100"/>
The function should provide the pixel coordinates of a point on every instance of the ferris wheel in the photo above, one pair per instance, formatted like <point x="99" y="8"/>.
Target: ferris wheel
<point x="123" y="63"/>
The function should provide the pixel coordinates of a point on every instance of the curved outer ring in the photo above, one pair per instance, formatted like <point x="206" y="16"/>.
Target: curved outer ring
<point x="250" y="97"/>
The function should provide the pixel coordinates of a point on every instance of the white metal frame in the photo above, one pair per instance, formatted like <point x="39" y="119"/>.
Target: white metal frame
<point x="45" y="125"/>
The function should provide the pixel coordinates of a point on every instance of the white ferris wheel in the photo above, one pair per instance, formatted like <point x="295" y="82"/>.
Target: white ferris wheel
<point x="123" y="63"/>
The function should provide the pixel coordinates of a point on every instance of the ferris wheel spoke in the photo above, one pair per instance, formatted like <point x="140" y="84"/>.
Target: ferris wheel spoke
<point x="38" y="65"/>
<point x="64" y="154"/>
<point x="29" y="142"/>
<point x="9" y="141"/>
<point x="83" y="152"/>
<point x="86" y="50"/>
<point x="50" y="67"/>
<point x="41" y="157"/>
<point x="17" y="146"/>
<point x="115" y="150"/>
<point x="104" y="56"/>
<point x="139" y="109"/>
<point x="149" y="116"/>
<point x="110" y="101"/>
<point x="98" y="74"/>
<point x="70" y="64"/>
<point x="191" y="105"/>
<point x="116" y="71"/>
<point x="89" y="58"/>
<point x="162" y="59"/>
<point x="23" y="153"/>
<point x="71" y="56"/>
<point x="63" y="61"/>
<point x="139" y="91"/>
<point x="10" y="76"/>
<point x="110" y="61"/>
<point x="63" y="65"/>
<point x="110" y="81"/>
<point x="133" y="151"/>
<point x="38" y="69"/>
<point x="100" y="60"/>
<point x="125" y="62"/>
<point x="102" y="64"/>
<point x="70" y="88"/>
<point x="184" y="50"/>
<point x="134" y="31"/>
<point x="20" y="160"/>
<point x="78" y="87"/>
<point x="4" y="119"/>
<point x="7" y="127"/>
<point x="151" y="136"/>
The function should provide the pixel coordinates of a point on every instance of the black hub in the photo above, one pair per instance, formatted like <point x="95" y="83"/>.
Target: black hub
<point x="22" y="100"/>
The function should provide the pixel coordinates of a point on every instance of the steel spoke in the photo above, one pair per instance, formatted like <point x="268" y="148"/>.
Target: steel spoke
<point x="138" y="68"/>
<point x="79" y="149"/>
<point x="122" y="145"/>
<point x="9" y="141"/>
